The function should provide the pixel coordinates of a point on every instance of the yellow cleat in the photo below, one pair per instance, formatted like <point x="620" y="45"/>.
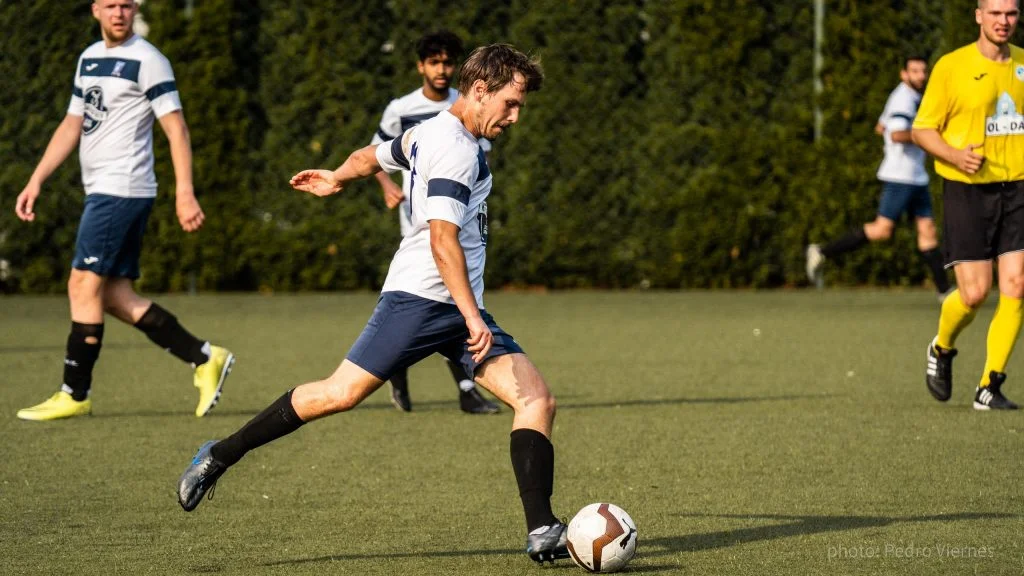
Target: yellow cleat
<point x="210" y="378"/>
<point x="60" y="405"/>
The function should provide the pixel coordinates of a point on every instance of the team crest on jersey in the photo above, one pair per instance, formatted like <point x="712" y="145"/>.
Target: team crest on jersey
<point x="481" y="220"/>
<point x="1019" y="71"/>
<point x="95" y="111"/>
<point x="118" y="68"/>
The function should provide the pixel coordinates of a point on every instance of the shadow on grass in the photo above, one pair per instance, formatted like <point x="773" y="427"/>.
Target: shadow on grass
<point x="452" y="405"/>
<point x="790" y="526"/>
<point x="570" y="405"/>
<point x="518" y="554"/>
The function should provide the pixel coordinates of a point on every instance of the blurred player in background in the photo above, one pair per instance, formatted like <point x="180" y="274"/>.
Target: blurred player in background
<point x="904" y="185"/>
<point x="437" y="58"/>
<point x="122" y="83"/>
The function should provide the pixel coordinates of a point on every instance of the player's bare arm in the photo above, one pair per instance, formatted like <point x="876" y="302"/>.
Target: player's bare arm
<point x="190" y="214"/>
<point x="966" y="160"/>
<point x="393" y="194"/>
<point x="63" y="141"/>
<point x="359" y="164"/>
<point x="902" y="136"/>
<point x="451" y="263"/>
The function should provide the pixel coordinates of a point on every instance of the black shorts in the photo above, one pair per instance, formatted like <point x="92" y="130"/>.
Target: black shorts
<point x="981" y="221"/>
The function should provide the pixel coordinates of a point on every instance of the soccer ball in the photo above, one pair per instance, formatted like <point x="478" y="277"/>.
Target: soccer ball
<point x="602" y="538"/>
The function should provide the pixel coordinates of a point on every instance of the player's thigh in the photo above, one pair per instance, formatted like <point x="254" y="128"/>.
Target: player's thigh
<point x="514" y="380"/>
<point x="343" y="390"/>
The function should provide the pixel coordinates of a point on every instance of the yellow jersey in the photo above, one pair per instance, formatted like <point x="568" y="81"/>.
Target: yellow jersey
<point x="973" y="100"/>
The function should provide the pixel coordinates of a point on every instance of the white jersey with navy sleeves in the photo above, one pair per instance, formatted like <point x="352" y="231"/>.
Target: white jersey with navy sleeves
<point x="903" y="162"/>
<point x="450" y="181"/>
<point x="402" y="114"/>
<point x="119" y="91"/>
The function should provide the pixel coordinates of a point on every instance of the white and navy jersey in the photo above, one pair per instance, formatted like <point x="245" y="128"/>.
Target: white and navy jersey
<point x="402" y="114"/>
<point x="903" y="163"/>
<point x="119" y="91"/>
<point x="449" y="181"/>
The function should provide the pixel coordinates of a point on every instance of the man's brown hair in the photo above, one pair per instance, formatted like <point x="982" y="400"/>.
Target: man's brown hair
<point x="497" y="65"/>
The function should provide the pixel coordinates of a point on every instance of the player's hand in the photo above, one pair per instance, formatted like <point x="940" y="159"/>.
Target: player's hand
<point x="26" y="201"/>
<point x="190" y="214"/>
<point x="393" y="195"/>
<point x="318" y="182"/>
<point x="480" y="338"/>
<point x="968" y="161"/>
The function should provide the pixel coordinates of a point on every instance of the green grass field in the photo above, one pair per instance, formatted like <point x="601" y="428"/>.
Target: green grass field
<point x="746" y="433"/>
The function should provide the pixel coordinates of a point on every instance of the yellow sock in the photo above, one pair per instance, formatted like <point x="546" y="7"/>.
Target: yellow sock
<point x="1002" y="335"/>
<point x="954" y="318"/>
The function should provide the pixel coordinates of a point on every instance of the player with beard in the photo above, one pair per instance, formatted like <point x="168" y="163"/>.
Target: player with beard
<point x="432" y="299"/>
<point x="904" y="185"/>
<point x="437" y="57"/>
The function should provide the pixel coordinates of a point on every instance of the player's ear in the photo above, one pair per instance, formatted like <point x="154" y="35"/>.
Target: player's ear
<point x="419" y="66"/>
<point x="96" y="10"/>
<point x="479" y="89"/>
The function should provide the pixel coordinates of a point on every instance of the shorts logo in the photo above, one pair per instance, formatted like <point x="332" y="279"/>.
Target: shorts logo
<point x="90" y="260"/>
<point x="95" y="111"/>
<point x="1006" y="120"/>
<point x="1019" y="71"/>
<point x="481" y="220"/>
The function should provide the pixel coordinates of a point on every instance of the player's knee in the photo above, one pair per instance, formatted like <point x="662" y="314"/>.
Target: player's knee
<point x="1012" y="285"/>
<point x="81" y="288"/>
<point x="337" y="397"/>
<point x="973" y="295"/>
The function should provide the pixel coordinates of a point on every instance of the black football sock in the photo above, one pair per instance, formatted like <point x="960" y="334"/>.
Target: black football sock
<point x="400" y="378"/>
<point x="277" y="420"/>
<point x="933" y="258"/>
<point x="847" y="243"/>
<point x="459" y="374"/>
<point x="533" y="460"/>
<point x="163" y="329"/>
<point x="83" y="348"/>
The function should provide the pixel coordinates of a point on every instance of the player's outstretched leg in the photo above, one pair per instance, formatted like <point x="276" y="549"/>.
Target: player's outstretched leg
<point x="343" y="390"/>
<point x="518" y="383"/>
<point x="400" y="390"/>
<point x="471" y="401"/>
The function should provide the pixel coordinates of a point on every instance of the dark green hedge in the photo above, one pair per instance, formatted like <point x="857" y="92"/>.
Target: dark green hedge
<point x="672" y="144"/>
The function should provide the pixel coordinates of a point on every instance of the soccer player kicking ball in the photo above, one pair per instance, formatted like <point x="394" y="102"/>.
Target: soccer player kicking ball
<point x="122" y="83"/>
<point x="432" y="300"/>
<point x="973" y="104"/>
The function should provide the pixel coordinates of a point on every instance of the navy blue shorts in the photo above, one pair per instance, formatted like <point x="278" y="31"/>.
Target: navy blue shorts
<point x="110" y="235"/>
<point x="899" y="198"/>
<point x="405" y="329"/>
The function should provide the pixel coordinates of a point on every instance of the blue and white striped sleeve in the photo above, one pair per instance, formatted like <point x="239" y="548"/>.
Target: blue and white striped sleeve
<point x="900" y="112"/>
<point x="394" y="155"/>
<point x="156" y="79"/>
<point x="390" y="124"/>
<point x="450" y="184"/>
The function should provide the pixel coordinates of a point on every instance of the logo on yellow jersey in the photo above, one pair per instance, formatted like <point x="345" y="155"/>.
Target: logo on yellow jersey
<point x="1006" y="120"/>
<point x="1019" y="71"/>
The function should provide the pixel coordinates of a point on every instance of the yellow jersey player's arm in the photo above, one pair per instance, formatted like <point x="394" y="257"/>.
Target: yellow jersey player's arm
<point x="932" y="117"/>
